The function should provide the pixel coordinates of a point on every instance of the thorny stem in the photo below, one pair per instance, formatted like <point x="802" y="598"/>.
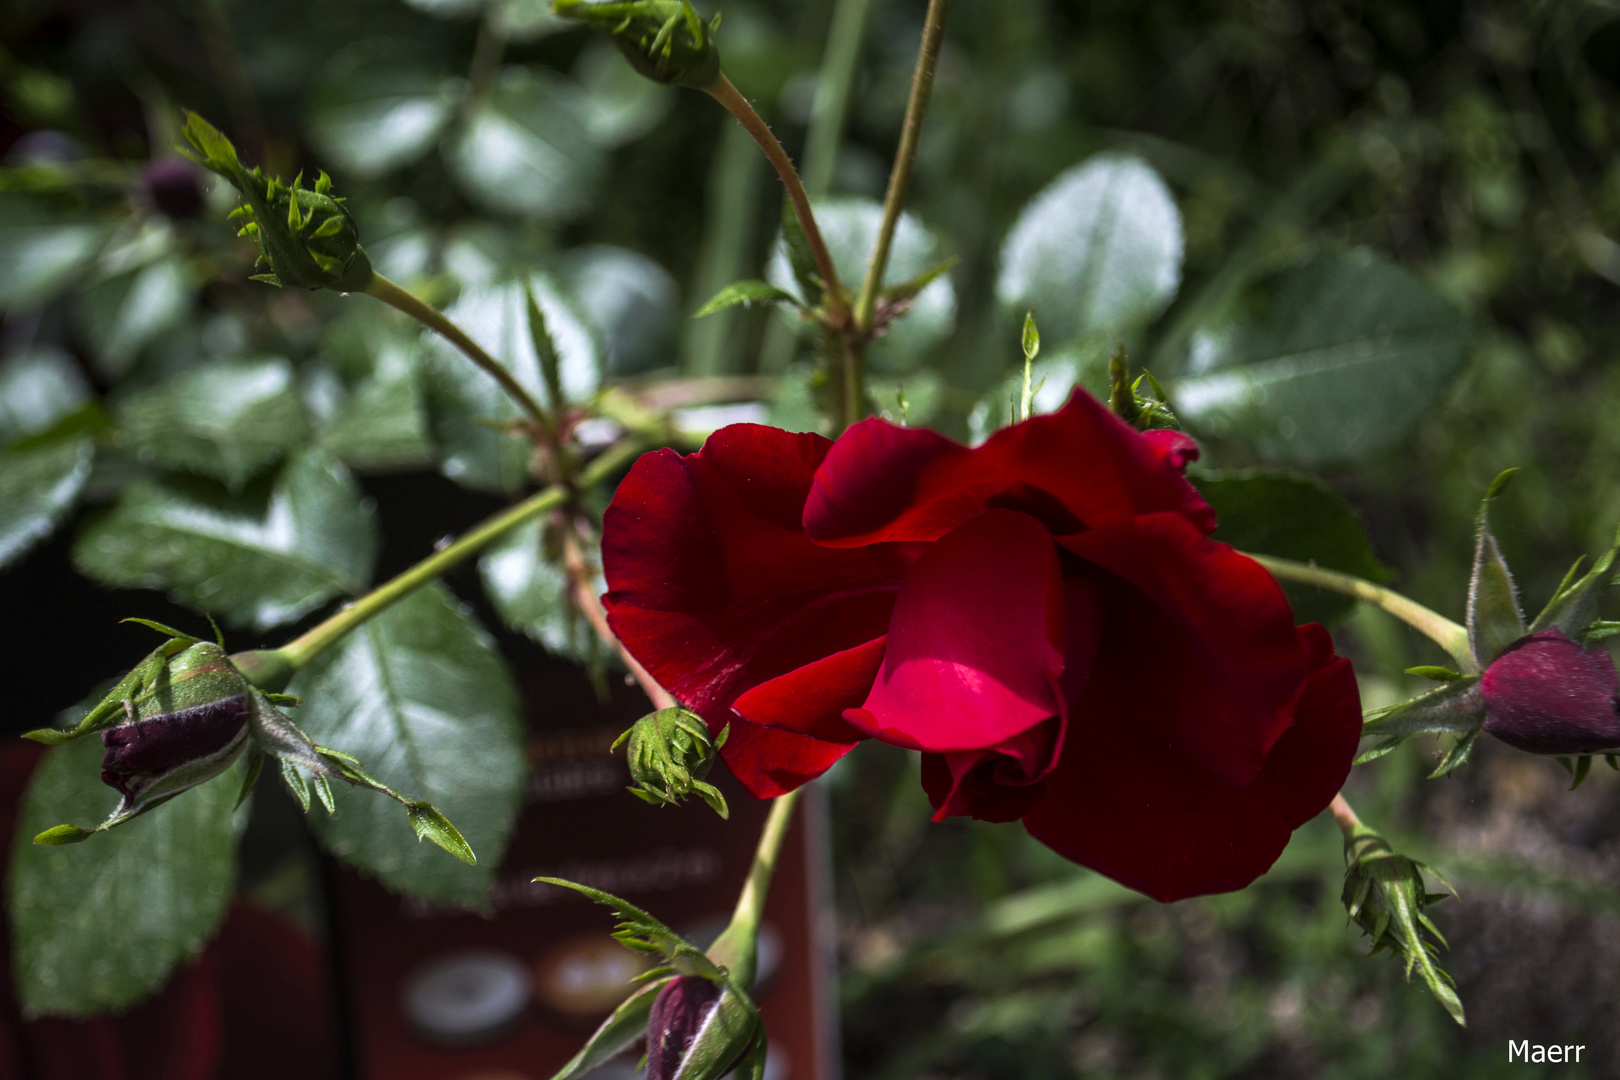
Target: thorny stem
<point x="429" y="316"/>
<point x="922" y="84"/>
<point x="729" y="96"/>
<point x="304" y="648"/>
<point x="737" y="947"/>
<point x="1435" y="626"/>
<point x="585" y="597"/>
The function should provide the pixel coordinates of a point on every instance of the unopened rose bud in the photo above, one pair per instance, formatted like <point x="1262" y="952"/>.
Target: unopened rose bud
<point x="305" y="237"/>
<point x="700" y="1029"/>
<point x="665" y="40"/>
<point x="170" y="184"/>
<point x="670" y="755"/>
<point x="1547" y="694"/>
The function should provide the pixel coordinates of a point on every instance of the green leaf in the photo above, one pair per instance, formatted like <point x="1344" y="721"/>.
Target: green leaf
<point x="1295" y="517"/>
<point x="254" y="562"/>
<point x="1098" y="251"/>
<point x="420" y="695"/>
<point x="619" y="106"/>
<point x="428" y="824"/>
<point x="632" y="301"/>
<point x="467" y="408"/>
<point x="124" y="314"/>
<point x="377" y="106"/>
<point x="99" y="926"/>
<point x="1494" y="619"/>
<point x="618" y="1032"/>
<point x="850" y="228"/>
<point x="37" y="490"/>
<point x="38" y="387"/>
<point x="745" y="292"/>
<point x="43" y="249"/>
<point x="530" y="590"/>
<point x="229" y="419"/>
<point x="383" y="424"/>
<point x="1328" y="361"/>
<point x="1439" y="674"/>
<point x="527" y="152"/>
<point x="640" y="931"/>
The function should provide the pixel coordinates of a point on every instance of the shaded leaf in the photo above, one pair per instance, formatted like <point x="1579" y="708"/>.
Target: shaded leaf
<point x="745" y="292"/>
<point x="99" y="926"/>
<point x="383" y="424"/>
<point x="38" y="387"/>
<point x="43" y="249"/>
<point x="619" y="105"/>
<point x="629" y="299"/>
<point x="254" y="562"/>
<point x="1096" y="252"/>
<point x="1328" y="361"/>
<point x="124" y="314"/>
<point x="531" y="591"/>
<point x="38" y="488"/>
<point x="378" y="106"/>
<point x="420" y="695"/>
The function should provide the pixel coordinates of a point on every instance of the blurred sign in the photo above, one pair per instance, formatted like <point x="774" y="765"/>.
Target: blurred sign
<point x="435" y="993"/>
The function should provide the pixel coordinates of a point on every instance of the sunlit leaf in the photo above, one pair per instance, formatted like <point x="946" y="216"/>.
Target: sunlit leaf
<point x="124" y="314"/>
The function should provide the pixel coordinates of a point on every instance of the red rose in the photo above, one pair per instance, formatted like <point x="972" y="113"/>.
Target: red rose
<point x="1548" y="695"/>
<point x="1043" y="616"/>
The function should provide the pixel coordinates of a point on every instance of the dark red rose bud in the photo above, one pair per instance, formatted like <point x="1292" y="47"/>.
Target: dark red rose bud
<point x="171" y="184"/>
<point x="678" y="1012"/>
<point x="1547" y="694"/>
<point x="164" y="742"/>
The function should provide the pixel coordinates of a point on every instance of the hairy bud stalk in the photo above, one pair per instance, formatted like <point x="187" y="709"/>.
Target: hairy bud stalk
<point x="665" y="40"/>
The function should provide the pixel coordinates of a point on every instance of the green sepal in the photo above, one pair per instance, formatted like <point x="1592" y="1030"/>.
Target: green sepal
<point x="1456" y="755"/>
<point x="618" y="1032"/>
<point x="180" y="673"/>
<point x="250" y="775"/>
<point x="295" y="783"/>
<point x="1494" y="618"/>
<point x="1598" y="631"/>
<point x="729" y="1030"/>
<point x="1031" y="340"/>
<point x="1578" y="769"/>
<point x="64" y="834"/>
<point x="1573" y="605"/>
<point x="641" y="932"/>
<point x="284" y="701"/>
<point x="746" y="292"/>
<point x="1144" y="409"/>
<point x="670" y="754"/>
<point x="1456" y="708"/>
<point x="429" y="824"/>
<point x="1385" y="894"/>
<point x="665" y="40"/>
<point x="1431" y="671"/>
<point x="306" y="237"/>
<point x="166" y="630"/>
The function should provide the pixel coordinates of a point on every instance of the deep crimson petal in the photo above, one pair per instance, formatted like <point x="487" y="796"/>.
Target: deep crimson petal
<point x="1078" y="467"/>
<point x="769" y="762"/>
<point x="1126" y="803"/>
<point x="811" y="700"/>
<point x="1210" y="630"/>
<point x="1547" y="694"/>
<point x="714" y="587"/>
<point x="975" y="648"/>
<point x="999" y="784"/>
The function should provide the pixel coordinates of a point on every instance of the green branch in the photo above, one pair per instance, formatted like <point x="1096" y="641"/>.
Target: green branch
<point x="1433" y="625"/>
<point x="737" y="949"/>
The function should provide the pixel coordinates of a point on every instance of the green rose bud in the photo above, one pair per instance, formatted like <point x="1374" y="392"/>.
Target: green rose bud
<point x="670" y="755"/>
<point x="305" y="237"/>
<point x="665" y="40"/>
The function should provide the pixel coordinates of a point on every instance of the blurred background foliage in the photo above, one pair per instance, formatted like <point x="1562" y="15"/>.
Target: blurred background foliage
<point x="1367" y="241"/>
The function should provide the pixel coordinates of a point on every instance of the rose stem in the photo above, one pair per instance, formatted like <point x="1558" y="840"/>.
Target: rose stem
<point x="1439" y="629"/>
<point x="922" y="85"/>
<point x="729" y="96"/>
<point x="402" y="300"/>
<point x="591" y="608"/>
<point x="737" y="947"/>
<point x="273" y="664"/>
<point x="1343" y="814"/>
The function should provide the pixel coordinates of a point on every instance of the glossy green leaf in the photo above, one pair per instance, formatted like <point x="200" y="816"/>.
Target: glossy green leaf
<point x="528" y="151"/>
<point x="1295" y="517"/>
<point x="631" y="300"/>
<point x="530" y="590"/>
<point x="419" y="695"/>
<point x="1098" y="251"/>
<point x="1328" y="361"/>
<point x="255" y="562"/>
<point x="383" y="423"/>
<point x="850" y="227"/>
<point x="38" y="488"/>
<point x="43" y="249"/>
<point x="467" y="408"/>
<point x="38" y="387"/>
<point x="379" y="106"/>
<point x="229" y="419"/>
<point x="99" y="926"/>
<point x="124" y="314"/>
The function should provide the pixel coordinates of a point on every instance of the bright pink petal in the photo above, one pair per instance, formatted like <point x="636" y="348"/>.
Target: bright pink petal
<point x="714" y="587"/>
<point x="1209" y="630"/>
<point x="975" y="649"/>
<point x="811" y="700"/>
<point x="1080" y="467"/>
<point x="1128" y="804"/>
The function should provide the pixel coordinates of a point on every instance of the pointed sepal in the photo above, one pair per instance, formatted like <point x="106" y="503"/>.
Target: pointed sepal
<point x="1494" y="618"/>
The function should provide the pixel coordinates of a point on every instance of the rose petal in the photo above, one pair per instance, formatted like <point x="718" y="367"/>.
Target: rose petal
<point x="999" y="784"/>
<point x="1078" y="467"/>
<point x="714" y="587"/>
<point x="1547" y="694"/>
<point x="1209" y="629"/>
<point x="975" y="647"/>
<point x="769" y="762"/>
<point x="811" y="700"/>
<point x="1130" y="805"/>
